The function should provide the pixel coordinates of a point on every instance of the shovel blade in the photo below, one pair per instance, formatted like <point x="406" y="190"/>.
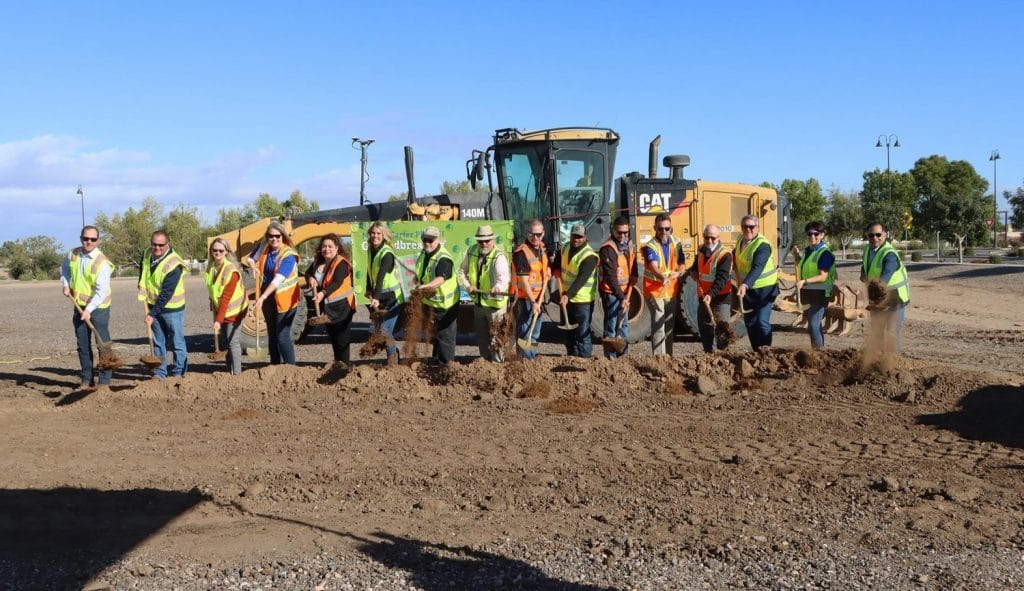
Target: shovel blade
<point x="568" y="326"/>
<point x="526" y="345"/>
<point x="217" y="356"/>
<point x="319" y="320"/>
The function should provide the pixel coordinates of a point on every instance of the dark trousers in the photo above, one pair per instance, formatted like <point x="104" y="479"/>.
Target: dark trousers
<point x="340" y="334"/>
<point x="279" y="333"/>
<point x="723" y="308"/>
<point x="445" y="331"/>
<point x="101" y="320"/>
<point x="758" y="319"/>
<point x="578" y="343"/>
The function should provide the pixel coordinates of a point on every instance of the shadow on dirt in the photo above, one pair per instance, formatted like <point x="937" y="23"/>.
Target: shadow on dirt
<point x="992" y="413"/>
<point x="439" y="566"/>
<point x="61" y="538"/>
<point x="436" y="567"/>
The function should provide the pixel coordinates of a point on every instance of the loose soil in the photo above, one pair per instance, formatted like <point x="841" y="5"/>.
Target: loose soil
<point x="724" y="455"/>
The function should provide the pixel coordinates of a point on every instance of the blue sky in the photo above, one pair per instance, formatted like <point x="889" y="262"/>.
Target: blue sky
<point x="210" y="103"/>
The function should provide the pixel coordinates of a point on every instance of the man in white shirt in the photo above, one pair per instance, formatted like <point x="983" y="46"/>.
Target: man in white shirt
<point x="485" y="274"/>
<point x="85" y="278"/>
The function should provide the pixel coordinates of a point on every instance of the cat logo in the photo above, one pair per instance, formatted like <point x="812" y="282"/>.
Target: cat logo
<point x="653" y="202"/>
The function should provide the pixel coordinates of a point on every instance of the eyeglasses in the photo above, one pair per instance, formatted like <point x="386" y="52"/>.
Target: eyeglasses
<point x="665" y="229"/>
<point x="274" y="236"/>
<point x="712" y="238"/>
<point x="90" y="239"/>
<point x="746" y="227"/>
<point x="158" y="244"/>
<point x="536" y="234"/>
<point x="218" y="251"/>
<point x="876" y="234"/>
<point x="625" y="233"/>
<point x="813" y="233"/>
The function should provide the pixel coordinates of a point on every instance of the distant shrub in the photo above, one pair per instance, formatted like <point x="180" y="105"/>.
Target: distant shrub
<point x="916" y="256"/>
<point x="195" y="271"/>
<point x="968" y="251"/>
<point x="995" y="259"/>
<point x="915" y="245"/>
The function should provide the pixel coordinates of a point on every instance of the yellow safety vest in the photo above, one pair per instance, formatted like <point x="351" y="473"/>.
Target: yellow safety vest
<point x="391" y="281"/>
<point x="744" y="260"/>
<point x="217" y="280"/>
<point x="571" y="268"/>
<point x="899" y="280"/>
<point x="809" y="268"/>
<point x="483" y="279"/>
<point x="448" y="292"/>
<point x="83" y="285"/>
<point x="152" y="279"/>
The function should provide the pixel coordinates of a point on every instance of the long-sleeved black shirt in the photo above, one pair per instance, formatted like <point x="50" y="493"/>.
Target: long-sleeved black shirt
<point x="610" y="268"/>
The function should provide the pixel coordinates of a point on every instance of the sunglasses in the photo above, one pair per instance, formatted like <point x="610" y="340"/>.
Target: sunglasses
<point x="749" y="227"/>
<point x="90" y="239"/>
<point x="618" y="233"/>
<point x="875" y="234"/>
<point x="158" y="244"/>
<point x="536" y="234"/>
<point x="274" y="236"/>
<point x="711" y="238"/>
<point x="218" y="251"/>
<point x="813" y="233"/>
<point x="665" y="229"/>
<point x="427" y="240"/>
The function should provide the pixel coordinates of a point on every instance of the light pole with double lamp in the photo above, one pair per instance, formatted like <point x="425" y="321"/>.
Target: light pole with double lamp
<point x="995" y="194"/>
<point x="888" y="141"/>
<point x="362" y="166"/>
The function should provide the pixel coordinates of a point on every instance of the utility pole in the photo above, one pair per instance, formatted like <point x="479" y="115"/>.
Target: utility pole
<point x="363" y="176"/>
<point x="81" y="194"/>
<point x="995" y="194"/>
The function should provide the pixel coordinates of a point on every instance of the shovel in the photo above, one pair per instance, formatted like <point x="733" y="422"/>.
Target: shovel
<point x="108" y="359"/>
<point x="319" y="319"/>
<point x="217" y="354"/>
<point x="256" y="353"/>
<point x="151" y="361"/>
<point x="565" y="322"/>
<point x="526" y="344"/>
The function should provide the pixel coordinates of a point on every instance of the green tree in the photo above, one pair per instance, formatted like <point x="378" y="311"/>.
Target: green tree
<point x="36" y="257"/>
<point x="952" y="199"/>
<point x="876" y="202"/>
<point x="1016" y="201"/>
<point x="126" y="235"/>
<point x="296" y="204"/>
<point x="229" y="218"/>
<point x="186" y="232"/>
<point x="844" y="218"/>
<point x="806" y="198"/>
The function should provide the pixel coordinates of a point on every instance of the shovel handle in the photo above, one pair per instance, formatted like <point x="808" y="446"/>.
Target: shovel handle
<point x="149" y="329"/>
<point x="99" y="342"/>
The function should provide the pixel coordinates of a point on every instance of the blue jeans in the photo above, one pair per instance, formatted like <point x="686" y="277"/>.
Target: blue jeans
<point x="815" y="314"/>
<point x="169" y="335"/>
<point x="613" y="312"/>
<point x="524" y="316"/>
<point x="101" y="320"/>
<point x="578" y="343"/>
<point x="279" y="333"/>
<point x="387" y="326"/>
<point x="759" y="324"/>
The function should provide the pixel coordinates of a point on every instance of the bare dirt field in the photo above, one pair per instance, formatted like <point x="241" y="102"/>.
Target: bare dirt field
<point x="780" y="469"/>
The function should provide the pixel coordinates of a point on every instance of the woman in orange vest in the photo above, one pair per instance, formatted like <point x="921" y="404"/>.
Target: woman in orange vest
<point x="227" y="300"/>
<point x="712" y="269"/>
<point x="330" y="278"/>
<point x="277" y="268"/>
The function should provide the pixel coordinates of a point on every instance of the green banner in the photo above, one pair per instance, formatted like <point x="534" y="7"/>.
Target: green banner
<point x="456" y="236"/>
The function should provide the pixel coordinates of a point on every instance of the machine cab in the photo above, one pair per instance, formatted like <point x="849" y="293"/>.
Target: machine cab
<point x="561" y="176"/>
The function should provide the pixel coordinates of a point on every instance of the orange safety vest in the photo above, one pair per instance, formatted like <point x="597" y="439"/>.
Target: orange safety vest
<point x="624" y="266"/>
<point x="287" y="294"/>
<point x="706" y="270"/>
<point x="345" y="290"/>
<point x="652" y="286"/>
<point x="540" y="272"/>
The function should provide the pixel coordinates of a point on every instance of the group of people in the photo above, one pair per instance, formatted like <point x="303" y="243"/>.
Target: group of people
<point x="495" y="283"/>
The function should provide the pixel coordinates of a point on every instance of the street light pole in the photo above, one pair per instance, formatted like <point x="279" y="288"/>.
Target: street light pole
<point x="81" y="194"/>
<point x="363" y="176"/>
<point x="995" y="194"/>
<point x="887" y="141"/>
